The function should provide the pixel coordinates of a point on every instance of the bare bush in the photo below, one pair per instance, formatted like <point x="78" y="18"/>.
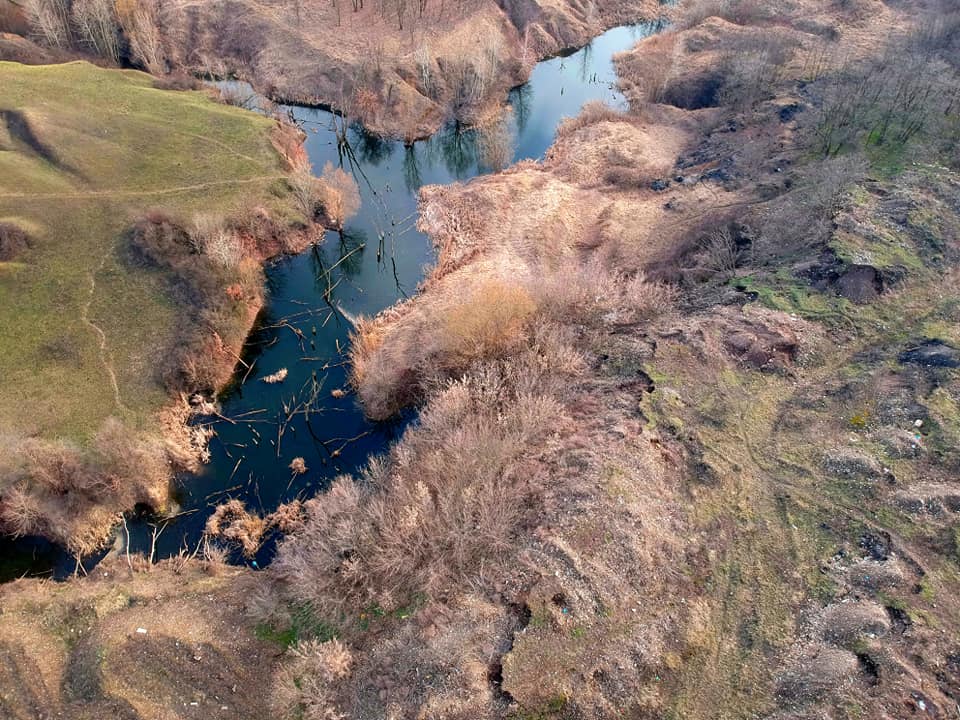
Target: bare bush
<point x="97" y="27"/>
<point x="232" y="522"/>
<point x="212" y="283"/>
<point x="73" y="495"/>
<point x="306" y="190"/>
<point x="804" y="218"/>
<point x="473" y="76"/>
<point x="140" y="22"/>
<point x="340" y="195"/>
<point x="13" y="241"/>
<point x="909" y="92"/>
<point x="487" y="321"/>
<point x="211" y="237"/>
<point x="752" y="69"/>
<point x="307" y="685"/>
<point x="593" y="294"/>
<point x="720" y="255"/>
<point x="50" y="22"/>
<point x="450" y="498"/>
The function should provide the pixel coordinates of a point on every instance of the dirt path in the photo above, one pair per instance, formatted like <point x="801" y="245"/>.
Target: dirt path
<point x="105" y="358"/>
<point x="81" y="195"/>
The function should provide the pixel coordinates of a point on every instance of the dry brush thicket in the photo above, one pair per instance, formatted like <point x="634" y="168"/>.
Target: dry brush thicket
<point x="125" y="29"/>
<point x="592" y="515"/>
<point x="69" y="494"/>
<point x="401" y="68"/>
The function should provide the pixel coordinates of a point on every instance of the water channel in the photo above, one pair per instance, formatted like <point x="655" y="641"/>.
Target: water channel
<point x="378" y="259"/>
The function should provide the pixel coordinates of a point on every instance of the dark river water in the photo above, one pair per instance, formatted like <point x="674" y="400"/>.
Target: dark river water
<point x="379" y="259"/>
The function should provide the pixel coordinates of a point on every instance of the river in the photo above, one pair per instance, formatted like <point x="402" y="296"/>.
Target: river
<point x="378" y="259"/>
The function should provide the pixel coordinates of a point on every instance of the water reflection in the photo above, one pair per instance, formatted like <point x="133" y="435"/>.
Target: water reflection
<point x="377" y="260"/>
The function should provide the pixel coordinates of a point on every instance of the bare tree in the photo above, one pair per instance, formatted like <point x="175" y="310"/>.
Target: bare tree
<point x="401" y="8"/>
<point x="139" y="20"/>
<point x="97" y="26"/>
<point x="50" y="22"/>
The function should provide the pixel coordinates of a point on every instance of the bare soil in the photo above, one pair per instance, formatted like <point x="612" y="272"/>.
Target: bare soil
<point x="163" y="642"/>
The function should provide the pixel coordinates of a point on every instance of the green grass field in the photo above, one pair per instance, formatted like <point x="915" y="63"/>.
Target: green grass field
<point x="83" y="152"/>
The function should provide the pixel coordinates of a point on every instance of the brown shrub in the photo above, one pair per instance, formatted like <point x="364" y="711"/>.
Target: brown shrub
<point x="74" y="495"/>
<point x="449" y="499"/>
<point x="593" y="112"/>
<point x="13" y="241"/>
<point x="339" y="195"/>
<point x="177" y="81"/>
<point x="435" y="340"/>
<point x="306" y="189"/>
<point x="488" y="323"/>
<point x="307" y="686"/>
<point x="232" y="522"/>
<point x="592" y="294"/>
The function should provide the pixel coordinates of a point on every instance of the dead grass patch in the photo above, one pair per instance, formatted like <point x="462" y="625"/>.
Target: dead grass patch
<point x="13" y="241"/>
<point x="70" y="494"/>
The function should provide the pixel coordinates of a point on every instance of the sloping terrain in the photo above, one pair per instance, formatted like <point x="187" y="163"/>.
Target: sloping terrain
<point x="400" y="68"/>
<point x="169" y="644"/>
<point x="689" y="409"/>
<point x="734" y="361"/>
<point x="97" y="322"/>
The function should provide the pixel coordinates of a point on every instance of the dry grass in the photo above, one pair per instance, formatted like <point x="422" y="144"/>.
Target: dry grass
<point x="592" y="112"/>
<point x="63" y="492"/>
<point x="448" y="500"/>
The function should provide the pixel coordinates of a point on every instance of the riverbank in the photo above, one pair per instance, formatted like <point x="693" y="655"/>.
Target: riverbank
<point x="401" y="69"/>
<point x="667" y="378"/>
<point x="133" y="245"/>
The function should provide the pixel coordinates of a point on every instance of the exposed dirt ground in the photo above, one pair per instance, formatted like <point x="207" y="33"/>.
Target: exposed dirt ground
<point x="170" y="643"/>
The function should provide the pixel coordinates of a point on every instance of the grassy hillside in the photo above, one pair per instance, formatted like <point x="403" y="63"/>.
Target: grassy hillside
<point x="133" y="225"/>
<point x="83" y="152"/>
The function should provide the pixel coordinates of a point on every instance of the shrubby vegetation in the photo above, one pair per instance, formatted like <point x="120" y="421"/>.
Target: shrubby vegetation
<point x="113" y="30"/>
